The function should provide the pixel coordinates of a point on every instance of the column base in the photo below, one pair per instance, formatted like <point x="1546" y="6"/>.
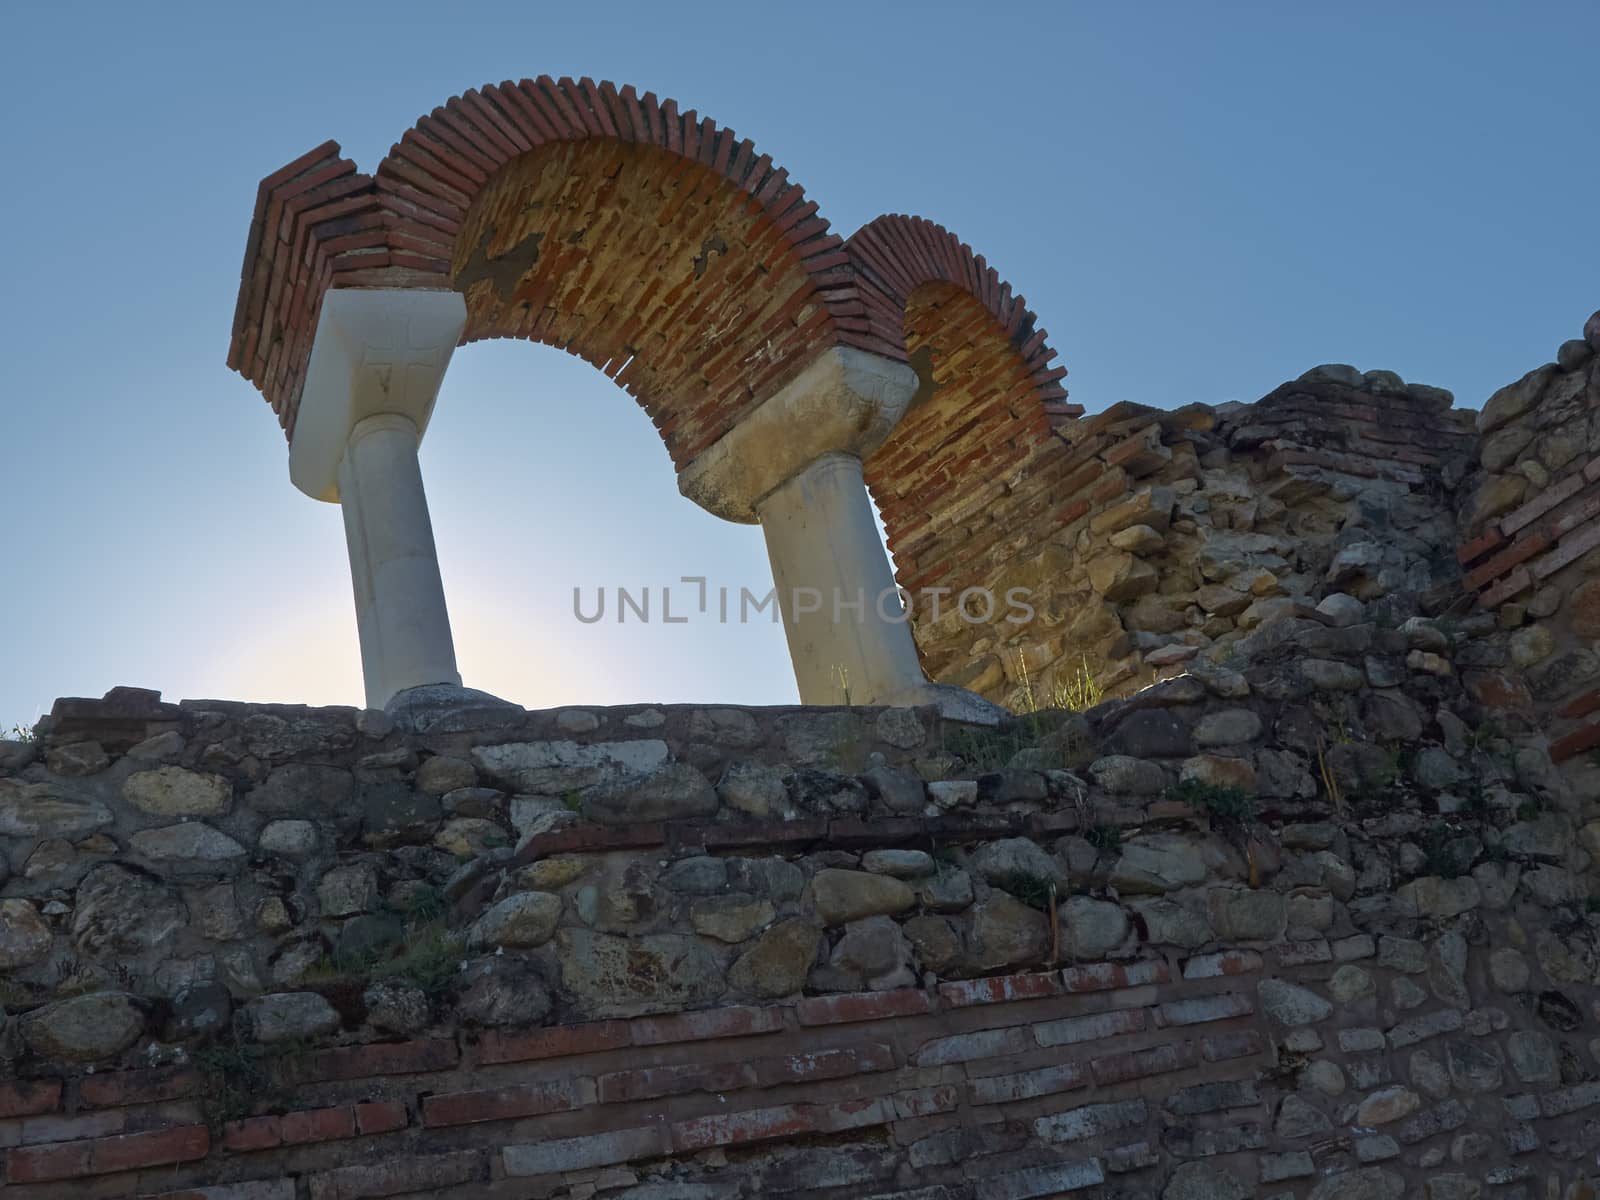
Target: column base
<point x="954" y="703"/>
<point x="449" y="708"/>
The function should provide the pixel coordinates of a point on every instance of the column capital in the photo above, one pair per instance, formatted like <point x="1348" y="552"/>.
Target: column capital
<point x="845" y="401"/>
<point x="377" y="351"/>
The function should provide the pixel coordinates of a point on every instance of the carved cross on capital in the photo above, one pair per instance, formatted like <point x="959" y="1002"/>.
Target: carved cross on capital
<point x="405" y="355"/>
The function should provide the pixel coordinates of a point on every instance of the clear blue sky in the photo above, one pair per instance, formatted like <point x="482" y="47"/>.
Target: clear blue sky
<point x="1199" y="200"/>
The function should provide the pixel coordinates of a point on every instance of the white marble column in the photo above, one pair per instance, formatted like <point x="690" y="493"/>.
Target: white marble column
<point x="794" y="466"/>
<point x="848" y="636"/>
<point x="376" y="366"/>
<point x="401" y="616"/>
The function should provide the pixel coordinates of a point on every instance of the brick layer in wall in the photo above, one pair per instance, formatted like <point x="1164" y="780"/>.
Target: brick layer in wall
<point x="1409" y="436"/>
<point x="1027" y="1085"/>
<point x="1083" y="1057"/>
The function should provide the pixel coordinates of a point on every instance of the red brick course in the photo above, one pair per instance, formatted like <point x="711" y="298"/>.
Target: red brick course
<point x="861" y="1006"/>
<point x="24" y="1098"/>
<point x="380" y="1116"/>
<point x="559" y="1042"/>
<point x="704" y="1025"/>
<point x="1485" y="543"/>
<point x="999" y="988"/>
<point x="499" y="1104"/>
<point x="137" y="1087"/>
<point x="108" y="1155"/>
<point x="1584" y="738"/>
<point x="1581" y="706"/>
<point x="1557" y="526"/>
<point x="313" y="1125"/>
<point x="381" y="1058"/>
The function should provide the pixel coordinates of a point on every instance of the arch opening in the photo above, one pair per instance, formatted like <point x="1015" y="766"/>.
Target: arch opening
<point x="554" y="516"/>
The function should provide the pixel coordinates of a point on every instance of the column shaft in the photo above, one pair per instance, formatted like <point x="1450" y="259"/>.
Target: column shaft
<point x="400" y="606"/>
<point x="841" y="612"/>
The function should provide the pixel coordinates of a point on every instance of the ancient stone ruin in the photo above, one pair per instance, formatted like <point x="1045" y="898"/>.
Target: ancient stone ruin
<point x="1282" y="881"/>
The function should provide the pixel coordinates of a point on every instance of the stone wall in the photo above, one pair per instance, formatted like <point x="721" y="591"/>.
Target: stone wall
<point x="1147" y="537"/>
<point x="1530" y="533"/>
<point x="1312" y="927"/>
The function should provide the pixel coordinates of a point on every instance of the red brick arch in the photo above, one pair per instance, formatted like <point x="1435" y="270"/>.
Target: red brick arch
<point x="979" y="442"/>
<point x="894" y="256"/>
<point x="674" y="257"/>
